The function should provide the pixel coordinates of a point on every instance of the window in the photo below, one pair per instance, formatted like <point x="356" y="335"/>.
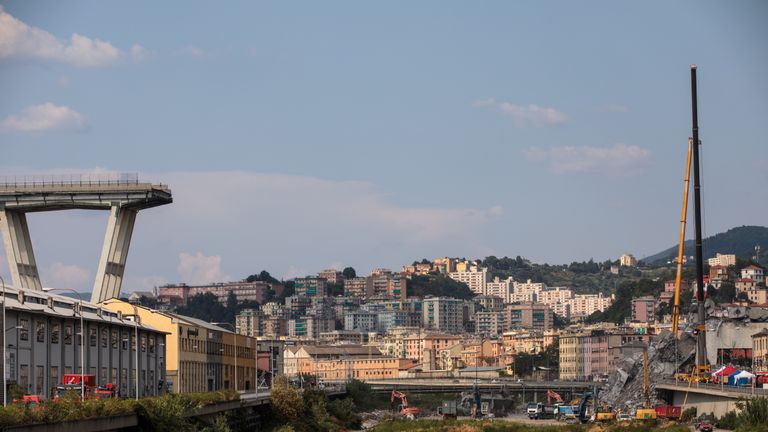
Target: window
<point x="55" y="329"/>
<point x="39" y="377"/>
<point x="68" y="334"/>
<point x="124" y="340"/>
<point x="103" y="378"/>
<point x="104" y="338"/>
<point x="54" y="376"/>
<point x="133" y="343"/>
<point x="67" y="369"/>
<point x="24" y="329"/>
<point x="151" y="345"/>
<point x="114" y="376"/>
<point x="40" y="332"/>
<point x="24" y="377"/>
<point x="114" y="338"/>
<point x="143" y="343"/>
<point x="92" y="337"/>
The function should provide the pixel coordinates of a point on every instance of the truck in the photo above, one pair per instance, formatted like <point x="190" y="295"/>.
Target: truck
<point x="671" y="412"/>
<point x="567" y="412"/>
<point x="86" y="384"/>
<point x="539" y="410"/>
<point x="447" y="409"/>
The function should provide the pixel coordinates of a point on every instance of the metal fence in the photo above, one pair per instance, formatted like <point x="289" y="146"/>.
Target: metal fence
<point x="747" y="390"/>
<point x="88" y="179"/>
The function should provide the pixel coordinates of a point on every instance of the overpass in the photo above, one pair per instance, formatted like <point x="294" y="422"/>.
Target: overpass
<point x="122" y="195"/>
<point x="709" y="398"/>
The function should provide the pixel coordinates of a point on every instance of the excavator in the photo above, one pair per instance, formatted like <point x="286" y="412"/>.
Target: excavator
<point x="553" y="395"/>
<point x="407" y="411"/>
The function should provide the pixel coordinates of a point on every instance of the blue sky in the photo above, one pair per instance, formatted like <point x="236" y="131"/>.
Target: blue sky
<point x="298" y="136"/>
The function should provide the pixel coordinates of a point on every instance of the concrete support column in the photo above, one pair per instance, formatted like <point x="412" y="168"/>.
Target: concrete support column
<point x="18" y="247"/>
<point x="114" y="252"/>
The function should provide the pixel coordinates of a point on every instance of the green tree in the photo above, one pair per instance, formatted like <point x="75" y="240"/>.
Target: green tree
<point x="286" y="400"/>
<point x="349" y="273"/>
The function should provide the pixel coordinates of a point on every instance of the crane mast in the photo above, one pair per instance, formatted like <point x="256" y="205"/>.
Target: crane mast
<point x="681" y="248"/>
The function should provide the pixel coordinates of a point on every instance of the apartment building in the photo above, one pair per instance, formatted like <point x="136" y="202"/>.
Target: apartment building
<point x="331" y="276"/>
<point x="444" y="265"/>
<point x="755" y="273"/>
<point x="644" y="309"/>
<point x="179" y="294"/>
<point x="310" y="287"/>
<point x="248" y="323"/>
<point x="475" y="279"/>
<point x="415" y="345"/>
<point x="591" y="354"/>
<point x="490" y="323"/>
<point x="360" y="287"/>
<point x="344" y="362"/>
<point x="531" y="316"/>
<point x="500" y="288"/>
<point x="489" y="302"/>
<point x="361" y="321"/>
<point x="719" y="259"/>
<point x="443" y="314"/>
<point x="337" y="337"/>
<point x="584" y="305"/>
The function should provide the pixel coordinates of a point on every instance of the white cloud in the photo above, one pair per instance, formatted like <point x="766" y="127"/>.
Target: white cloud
<point x="139" y="53"/>
<point x="294" y="272"/>
<point x="619" y="159"/>
<point x="17" y="39"/>
<point x="61" y="275"/>
<point x="531" y="114"/>
<point x="47" y="116"/>
<point x="199" y="269"/>
<point x="142" y="283"/>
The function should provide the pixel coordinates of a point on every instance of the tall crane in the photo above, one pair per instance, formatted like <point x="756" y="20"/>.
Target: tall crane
<point x="681" y="247"/>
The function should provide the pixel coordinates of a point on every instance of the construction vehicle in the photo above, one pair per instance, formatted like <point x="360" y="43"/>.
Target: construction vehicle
<point x="405" y="410"/>
<point x="553" y="395"/>
<point x="539" y="410"/>
<point x="586" y="398"/>
<point x="84" y="384"/>
<point x="567" y="412"/>
<point x="646" y="413"/>
<point x="448" y="410"/>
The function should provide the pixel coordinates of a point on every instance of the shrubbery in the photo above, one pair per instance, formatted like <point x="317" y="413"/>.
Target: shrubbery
<point x="161" y="413"/>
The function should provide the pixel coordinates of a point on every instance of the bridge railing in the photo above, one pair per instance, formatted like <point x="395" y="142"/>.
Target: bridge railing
<point x="746" y="390"/>
<point x="89" y="179"/>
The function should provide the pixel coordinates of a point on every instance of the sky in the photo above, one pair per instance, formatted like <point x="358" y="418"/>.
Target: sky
<point x="299" y="136"/>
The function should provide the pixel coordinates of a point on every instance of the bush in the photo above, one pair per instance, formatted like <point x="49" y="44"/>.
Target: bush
<point x="754" y="412"/>
<point x="729" y="421"/>
<point x="689" y="414"/>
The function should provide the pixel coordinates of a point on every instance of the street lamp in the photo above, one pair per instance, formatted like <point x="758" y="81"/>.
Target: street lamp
<point x="82" y="335"/>
<point x="136" y="320"/>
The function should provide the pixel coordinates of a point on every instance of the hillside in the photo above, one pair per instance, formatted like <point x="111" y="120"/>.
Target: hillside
<point x="740" y="241"/>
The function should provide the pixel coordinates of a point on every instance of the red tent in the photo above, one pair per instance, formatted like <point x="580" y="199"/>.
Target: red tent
<point x="724" y="372"/>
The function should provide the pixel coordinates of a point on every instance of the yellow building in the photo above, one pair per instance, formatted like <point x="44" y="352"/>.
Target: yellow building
<point x="342" y="362"/>
<point x="760" y="351"/>
<point x="200" y="356"/>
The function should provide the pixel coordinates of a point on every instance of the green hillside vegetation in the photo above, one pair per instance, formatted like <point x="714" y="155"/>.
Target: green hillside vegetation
<point x="438" y="286"/>
<point x="740" y="241"/>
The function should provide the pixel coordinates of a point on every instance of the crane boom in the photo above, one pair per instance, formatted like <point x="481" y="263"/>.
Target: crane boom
<point x="681" y="248"/>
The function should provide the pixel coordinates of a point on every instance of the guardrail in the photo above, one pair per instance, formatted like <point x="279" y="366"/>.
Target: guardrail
<point x="683" y="385"/>
<point x="70" y="179"/>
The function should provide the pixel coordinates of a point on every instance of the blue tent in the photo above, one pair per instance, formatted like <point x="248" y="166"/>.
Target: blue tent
<point x="739" y="378"/>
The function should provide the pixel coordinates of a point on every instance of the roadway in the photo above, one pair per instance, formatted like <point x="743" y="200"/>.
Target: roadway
<point x="459" y="385"/>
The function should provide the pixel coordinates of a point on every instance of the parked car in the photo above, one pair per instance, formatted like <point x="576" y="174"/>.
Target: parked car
<point x="704" y="426"/>
<point x="624" y="417"/>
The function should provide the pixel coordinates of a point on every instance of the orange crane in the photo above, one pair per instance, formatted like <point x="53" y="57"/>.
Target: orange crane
<point x="410" y="412"/>
<point x="553" y="395"/>
<point x="680" y="249"/>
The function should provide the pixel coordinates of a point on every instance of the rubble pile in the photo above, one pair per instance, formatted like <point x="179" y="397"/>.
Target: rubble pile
<point x="624" y="389"/>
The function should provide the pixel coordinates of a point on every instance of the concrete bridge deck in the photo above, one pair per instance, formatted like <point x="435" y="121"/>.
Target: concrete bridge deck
<point x="459" y="385"/>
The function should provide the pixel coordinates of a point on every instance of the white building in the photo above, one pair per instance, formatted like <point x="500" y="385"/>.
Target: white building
<point x="499" y="288"/>
<point x="583" y="305"/>
<point x="725" y="260"/>
<point x="755" y="273"/>
<point x="490" y="323"/>
<point x="475" y="279"/>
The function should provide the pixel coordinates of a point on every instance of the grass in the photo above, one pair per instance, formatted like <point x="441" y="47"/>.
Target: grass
<point x="509" y="426"/>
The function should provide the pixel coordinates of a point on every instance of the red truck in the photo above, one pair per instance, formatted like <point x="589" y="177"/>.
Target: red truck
<point x="671" y="412"/>
<point x="72" y="382"/>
